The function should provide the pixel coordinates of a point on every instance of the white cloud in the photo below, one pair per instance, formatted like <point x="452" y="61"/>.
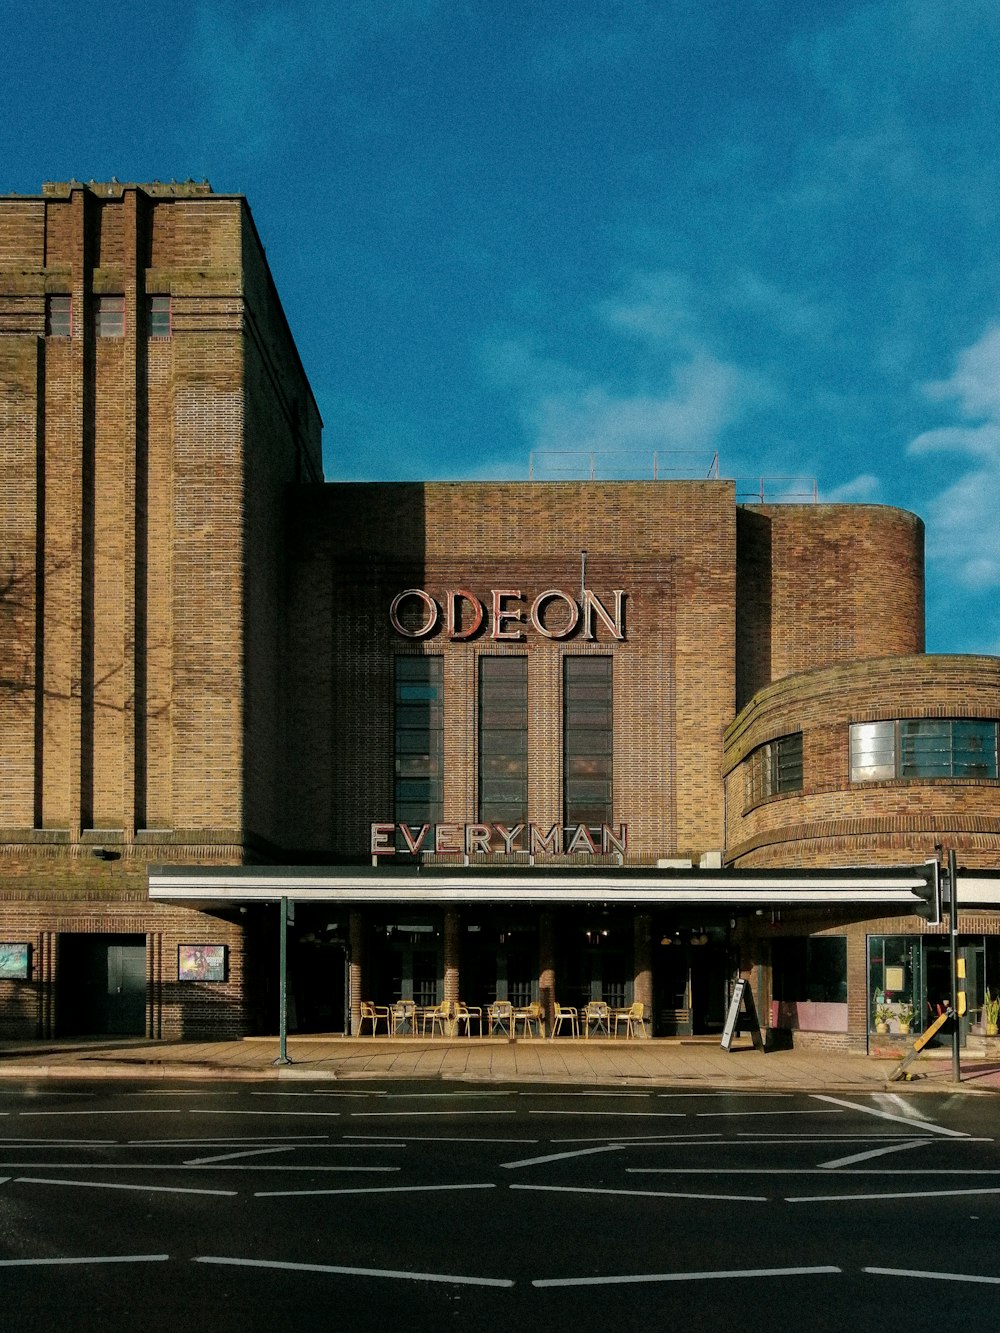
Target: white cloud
<point x="860" y="488"/>
<point x="963" y="531"/>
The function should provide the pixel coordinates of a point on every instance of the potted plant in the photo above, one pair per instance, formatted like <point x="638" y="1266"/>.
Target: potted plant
<point x="991" y="1012"/>
<point x="904" y="1017"/>
<point x="883" y="1012"/>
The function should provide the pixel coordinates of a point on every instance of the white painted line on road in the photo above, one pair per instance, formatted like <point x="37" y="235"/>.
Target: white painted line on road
<point x="230" y="1156"/>
<point x="874" y="1136"/>
<point x="378" y="1189"/>
<point x="875" y="1152"/>
<point x="321" y="1092"/>
<point x="362" y="1115"/>
<point x="174" y="1166"/>
<point x="179" y="1092"/>
<point x="227" y="1140"/>
<point x="198" y="1110"/>
<point x="628" y="1279"/>
<point x="758" y="1096"/>
<point x="160" y="1110"/>
<point x="710" y="1138"/>
<point x="802" y="1171"/>
<point x="910" y="1194"/>
<point x="452" y="1096"/>
<point x="621" y="1115"/>
<point x="561" y="1156"/>
<point x="928" y="1125"/>
<point x="934" y="1277"/>
<point x="741" y="1115"/>
<point x="396" y="1139"/>
<point x="87" y="1259"/>
<point x="106" y="1185"/>
<point x="22" y="1140"/>
<point x="449" y="1278"/>
<point x="641" y="1194"/>
<point x="603" y="1093"/>
<point x="4" y="1179"/>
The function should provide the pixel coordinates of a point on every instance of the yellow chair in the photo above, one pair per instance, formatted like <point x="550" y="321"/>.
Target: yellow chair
<point x="374" y="1014"/>
<point x="501" y="1017"/>
<point x="403" y="1016"/>
<point x="531" y="1018"/>
<point x="467" y="1015"/>
<point x="634" y="1019"/>
<point x="565" y="1013"/>
<point x="441" y="1017"/>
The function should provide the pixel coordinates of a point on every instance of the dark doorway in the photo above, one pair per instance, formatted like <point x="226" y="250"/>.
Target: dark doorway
<point x="102" y="986"/>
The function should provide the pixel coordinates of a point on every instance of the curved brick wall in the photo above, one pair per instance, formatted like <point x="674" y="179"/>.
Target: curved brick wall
<point x="835" y="822"/>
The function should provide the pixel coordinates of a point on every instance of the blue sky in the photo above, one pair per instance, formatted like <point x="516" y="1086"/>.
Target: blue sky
<point x="505" y="228"/>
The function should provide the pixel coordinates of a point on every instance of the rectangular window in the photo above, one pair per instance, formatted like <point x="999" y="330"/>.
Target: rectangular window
<point x="59" y="316"/>
<point x="419" y="740"/>
<point x="503" y="740"/>
<point x="775" y="767"/>
<point x="158" y="312"/>
<point x="812" y="970"/>
<point x="110" y="316"/>
<point x="587" y="741"/>
<point x="923" y="748"/>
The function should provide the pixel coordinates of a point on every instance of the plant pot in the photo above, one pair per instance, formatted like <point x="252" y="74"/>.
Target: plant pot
<point x="904" y="1029"/>
<point x="991" y="1029"/>
<point x="881" y="1028"/>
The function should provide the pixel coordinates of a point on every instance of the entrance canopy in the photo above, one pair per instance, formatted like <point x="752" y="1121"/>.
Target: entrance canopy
<point x="213" y="887"/>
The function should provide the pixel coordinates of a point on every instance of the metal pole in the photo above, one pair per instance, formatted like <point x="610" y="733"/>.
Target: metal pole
<point x="283" y="986"/>
<point x="956" y="1070"/>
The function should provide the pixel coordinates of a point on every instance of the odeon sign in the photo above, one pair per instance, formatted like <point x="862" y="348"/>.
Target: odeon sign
<point x="488" y="839"/>
<point x="507" y="614"/>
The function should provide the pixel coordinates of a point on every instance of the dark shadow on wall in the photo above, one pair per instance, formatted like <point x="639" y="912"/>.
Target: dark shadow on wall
<point x="753" y="604"/>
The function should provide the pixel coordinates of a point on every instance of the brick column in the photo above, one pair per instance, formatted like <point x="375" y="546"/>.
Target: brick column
<point x="643" y="962"/>
<point x="546" y="967"/>
<point x="452" y="955"/>
<point x="356" y="933"/>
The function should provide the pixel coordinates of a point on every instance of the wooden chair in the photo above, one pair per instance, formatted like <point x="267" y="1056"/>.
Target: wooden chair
<point x="374" y="1014"/>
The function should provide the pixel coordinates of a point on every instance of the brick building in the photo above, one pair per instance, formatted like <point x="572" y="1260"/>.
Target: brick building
<point x="541" y="742"/>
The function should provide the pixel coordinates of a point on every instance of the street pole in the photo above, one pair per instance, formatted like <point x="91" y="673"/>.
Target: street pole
<point x="283" y="985"/>
<point x="956" y="1070"/>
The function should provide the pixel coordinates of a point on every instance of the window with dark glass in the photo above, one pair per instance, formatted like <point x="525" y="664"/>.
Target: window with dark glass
<point x="503" y="740"/>
<point x="59" y="316"/>
<point x="775" y="767"/>
<point x="158" y="314"/>
<point x="419" y="740"/>
<point x="919" y="747"/>
<point x="110" y="316"/>
<point x="805" y="969"/>
<point x="587" y="741"/>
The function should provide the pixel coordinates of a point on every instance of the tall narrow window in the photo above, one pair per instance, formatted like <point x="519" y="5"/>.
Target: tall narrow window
<point x="59" y="316"/>
<point x="158" y="314"/>
<point x="110" y="316"/>
<point x="587" y="741"/>
<point x="775" y="767"/>
<point x="419" y="734"/>
<point x="503" y="740"/>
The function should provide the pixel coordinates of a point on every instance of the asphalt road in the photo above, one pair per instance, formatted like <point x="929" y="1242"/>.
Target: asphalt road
<point x="426" y="1206"/>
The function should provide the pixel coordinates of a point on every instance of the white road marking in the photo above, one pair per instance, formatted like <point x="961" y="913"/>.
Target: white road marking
<point x="535" y="1095"/>
<point x="928" y="1125"/>
<point x="740" y="1115"/>
<point x="227" y="1139"/>
<point x="875" y="1152"/>
<point x="683" y="1277"/>
<point x="560" y="1156"/>
<point x="362" y="1115"/>
<point x="106" y="1185"/>
<point x="230" y="1156"/>
<point x="88" y="1259"/>
<point x="803" y="1171"/>
<point x="173" y="1166"/>
<point x="742" y="1095"/>
<point x="357" y="1272"/>
<point x="198" y="1110"/>
<point x="4" y="1179"/>
<point x="911" y="1194"/>
<point x="621" y="1115"/>
<point x="378" y="1189"/>
<point x="160" y="1110"/>
<point x="22" y="1140"/>
<point x="641" y="1194"/>
<point x="937" y="1277"/>
<point x="321" y="1092"/>
<point x="396" y="1139"/>
<point x="652" y="1140"/>
<point x="452" y="1096"/>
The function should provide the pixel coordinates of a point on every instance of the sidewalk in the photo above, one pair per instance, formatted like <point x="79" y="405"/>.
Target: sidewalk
<point x="657" y="1063"/>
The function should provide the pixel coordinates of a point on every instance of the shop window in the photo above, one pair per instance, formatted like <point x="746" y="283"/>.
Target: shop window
<point x="810" y="970"/>
<point x="59" y="316"/>
<point x="503" y="740"/>
<point x="923" y="748"/>
<point x="775" y="767"/>
<point x="419" y="740"/>
<point x="587" y="741"/>
<point x="158" y="314"/>
<point x="110" y="317"/>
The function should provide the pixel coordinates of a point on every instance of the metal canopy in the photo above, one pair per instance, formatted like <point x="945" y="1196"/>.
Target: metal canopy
<point x="215" y="887"/>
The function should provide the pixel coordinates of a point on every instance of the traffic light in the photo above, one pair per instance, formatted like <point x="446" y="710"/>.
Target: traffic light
<point x="929" y="893"/>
